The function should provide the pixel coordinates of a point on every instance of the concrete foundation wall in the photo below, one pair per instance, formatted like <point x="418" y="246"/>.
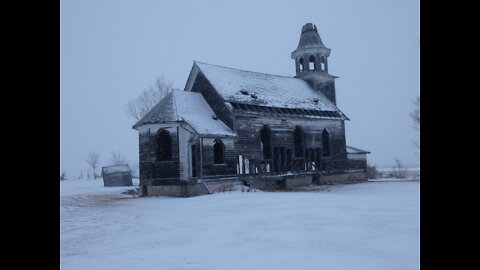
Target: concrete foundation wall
<point x="298" y="181"/>
<point x="342" y="178"/>
<point x="220" y="186"/>
<point x="176" y="190"/>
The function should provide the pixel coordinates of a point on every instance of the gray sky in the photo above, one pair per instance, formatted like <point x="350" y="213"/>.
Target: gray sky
<point x="111" y="50"/>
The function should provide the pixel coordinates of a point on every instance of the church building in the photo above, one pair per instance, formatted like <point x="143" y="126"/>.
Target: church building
<point x="231" y="126"/>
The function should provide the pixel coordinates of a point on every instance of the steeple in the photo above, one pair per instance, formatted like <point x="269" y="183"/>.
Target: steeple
<point x="311" y="54"/>
<point x="311" y="63"/>
<point x="309" y="37"/>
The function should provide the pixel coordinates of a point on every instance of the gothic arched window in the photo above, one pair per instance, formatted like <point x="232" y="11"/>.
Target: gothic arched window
<point x="298" y="141"/>
<point x="323" y="62"/>
<point x="311" y="63"/>
<point x="266" y="138"/>
<point x="326" y="143"/>
<point x="218" y="152"/>
<point x="164" y="142"/>
<point x="301" y="64"/>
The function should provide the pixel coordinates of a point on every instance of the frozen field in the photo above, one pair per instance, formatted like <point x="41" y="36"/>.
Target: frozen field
<point x="373" y="225"/>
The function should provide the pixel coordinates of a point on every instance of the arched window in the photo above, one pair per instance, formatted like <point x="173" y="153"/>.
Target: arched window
<point x="323" y="62"/>
<point x="164" y="142"/>
<point x="326" y="143"/>
<point x="218" y="152"/>
<point x="311" y="63"/>
<point x="298" y="141"/>
<point x="266" y="138"/>
<point x="301" y="66"/>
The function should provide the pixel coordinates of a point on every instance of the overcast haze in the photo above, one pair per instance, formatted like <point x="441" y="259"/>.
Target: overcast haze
<point x="112" y="50"/>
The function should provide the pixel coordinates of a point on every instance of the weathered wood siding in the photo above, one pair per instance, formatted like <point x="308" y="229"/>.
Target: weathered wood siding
<point x="149" y="166"/>
<point x="231" y="159"/>
<point x="248" y="129"/>
<point x="214" y="100"/>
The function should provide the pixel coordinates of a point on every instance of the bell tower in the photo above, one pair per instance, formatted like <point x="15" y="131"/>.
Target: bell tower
<point x="311" y="64"/>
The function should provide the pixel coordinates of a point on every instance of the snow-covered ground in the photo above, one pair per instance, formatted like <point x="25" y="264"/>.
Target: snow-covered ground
<point x="373" y="225"/>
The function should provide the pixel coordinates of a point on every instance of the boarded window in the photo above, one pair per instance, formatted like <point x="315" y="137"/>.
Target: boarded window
<point x="266" y="139"/>
<point x="218" y="152"/>
<point x="298" y="141"/>
<point x="326" y="143"/>
<point x="164" y="142"/>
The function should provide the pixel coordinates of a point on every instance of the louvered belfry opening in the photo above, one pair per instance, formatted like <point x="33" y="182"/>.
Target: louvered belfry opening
<point x="312" y="65"/>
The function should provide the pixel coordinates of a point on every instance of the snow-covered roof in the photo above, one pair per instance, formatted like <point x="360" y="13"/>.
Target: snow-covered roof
<point x="309" y="37"/>
<point x="115" y="169"/>
<point x="353" y="150"/>
<point x="248" y="87"/>
<point x="189" y="107"/>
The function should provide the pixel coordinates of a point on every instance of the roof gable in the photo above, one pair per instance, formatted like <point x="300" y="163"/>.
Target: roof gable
<point x="164" y="111"/>
<point x="189" y="107"/>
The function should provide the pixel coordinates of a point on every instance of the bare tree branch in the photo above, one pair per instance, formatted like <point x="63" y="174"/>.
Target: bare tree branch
<point x="140" y="106"/>
<point x="93" y="160"/>
<point x="117" y="159"/>
<point x="399" y="169"/>
<point x="415" y="116"/>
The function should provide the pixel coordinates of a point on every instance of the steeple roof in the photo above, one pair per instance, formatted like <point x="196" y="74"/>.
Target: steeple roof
<point x="309" y="37"/>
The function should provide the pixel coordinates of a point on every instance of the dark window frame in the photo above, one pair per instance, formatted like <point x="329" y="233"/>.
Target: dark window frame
<point x="326" y="145"/>
<point x="298" y="141"/>
<point x="266" y="142"/>
<point x="164" y="145"/>
<point x="218" y="152"/>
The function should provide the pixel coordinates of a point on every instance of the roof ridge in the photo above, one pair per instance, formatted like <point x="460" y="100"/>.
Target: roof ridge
<point x="175" y="106"/>
<point x="283" y="76"/>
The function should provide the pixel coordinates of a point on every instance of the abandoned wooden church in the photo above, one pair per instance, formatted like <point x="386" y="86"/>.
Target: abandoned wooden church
<point x="231" y="126"/>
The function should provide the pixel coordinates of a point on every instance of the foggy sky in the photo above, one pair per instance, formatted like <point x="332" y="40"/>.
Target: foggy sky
<point x="111" y="50"/>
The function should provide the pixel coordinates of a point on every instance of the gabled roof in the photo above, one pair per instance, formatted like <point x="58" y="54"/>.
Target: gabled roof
<point x="189" y="107"/>
<point x="115" y="169"/>
<point x="248" y="87"/>
<point x="353" y="150"/>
